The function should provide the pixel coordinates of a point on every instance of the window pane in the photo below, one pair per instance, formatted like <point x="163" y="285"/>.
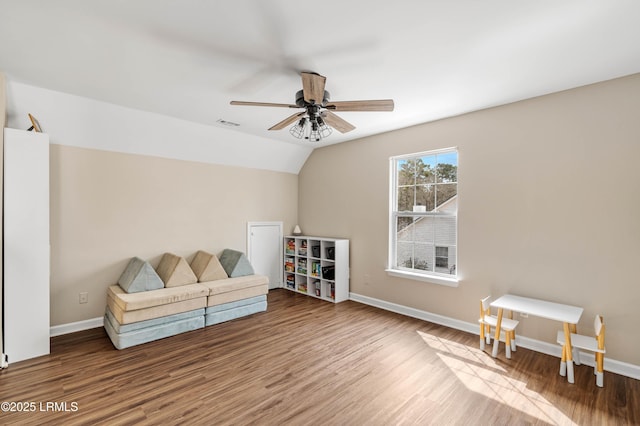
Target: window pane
<point x="423" y="257"/>
<point x="406" y="197"/>
<point x="404" y="255"/>
<point x="426" y="196"/>
<point x="406" y="172"/>
<point x="444" y="193"/>
<point x="425" y="169"/>
<point x="405" y="231"/>
<point x="447" y="168"/>
<point x="423" y="229"/>
<point x="445" y="231"/>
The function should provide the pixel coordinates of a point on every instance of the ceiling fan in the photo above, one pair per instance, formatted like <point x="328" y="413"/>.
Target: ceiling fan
<point x="317" y="119"/>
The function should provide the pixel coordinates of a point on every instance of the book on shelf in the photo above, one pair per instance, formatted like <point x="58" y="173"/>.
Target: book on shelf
<point x="302" y="251"/>
<point x="316" y="284"/>
<point x="288" y="265"/>
<point x="315" y="269"/>
<point x="291" y="283"/>
<point x="291" y="247"/>
<point x="302" y="287"/>
<point x="302" y="266"/>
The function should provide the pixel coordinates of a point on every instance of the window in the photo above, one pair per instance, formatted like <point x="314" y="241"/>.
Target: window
<point x="423" y="216"/>
<point x="442" y="257"/>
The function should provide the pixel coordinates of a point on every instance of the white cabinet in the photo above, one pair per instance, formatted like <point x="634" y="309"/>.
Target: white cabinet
<point x="317" y="266"/>
<point x="26" y="244"/>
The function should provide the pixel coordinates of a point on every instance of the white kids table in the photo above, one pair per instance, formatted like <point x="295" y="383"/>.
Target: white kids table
<point x="566" y="314"/>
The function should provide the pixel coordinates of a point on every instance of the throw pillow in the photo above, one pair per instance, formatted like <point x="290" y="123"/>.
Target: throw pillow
<point x="175" y="271"/>
<point x="207" y="267"/>
<point x="235" y="263"/>
<point x="139" y="276"/>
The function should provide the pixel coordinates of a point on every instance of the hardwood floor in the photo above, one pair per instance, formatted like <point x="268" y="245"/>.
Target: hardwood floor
<point x="306" y="361"/>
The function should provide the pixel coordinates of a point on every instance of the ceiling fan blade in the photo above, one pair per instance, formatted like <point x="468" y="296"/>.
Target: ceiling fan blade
<point x="373" y="105"/>
<point x="284" y="123"/>
<point x="266" y="104"/>
<point x="313" y="87"/>
<point x="337" y="123"/>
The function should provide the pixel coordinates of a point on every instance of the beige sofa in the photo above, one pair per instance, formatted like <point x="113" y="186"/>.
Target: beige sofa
<point x="139" y="310"/>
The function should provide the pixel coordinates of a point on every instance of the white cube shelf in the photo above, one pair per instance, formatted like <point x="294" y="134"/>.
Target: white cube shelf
<point x="317" y="267"/>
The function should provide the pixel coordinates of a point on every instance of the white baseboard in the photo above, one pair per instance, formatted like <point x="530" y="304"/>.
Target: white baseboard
<point x="618" y="367"/>
<point x="72" y="327"/>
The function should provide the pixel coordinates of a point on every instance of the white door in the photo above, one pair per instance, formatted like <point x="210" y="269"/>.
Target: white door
<point x="264" y="250"/>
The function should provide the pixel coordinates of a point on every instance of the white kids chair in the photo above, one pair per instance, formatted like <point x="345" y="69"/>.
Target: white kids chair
<point x="487" y="321"/>
<point x="589" y="343"/>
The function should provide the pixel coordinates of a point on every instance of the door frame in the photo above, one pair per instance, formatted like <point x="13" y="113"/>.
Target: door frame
<point x="280" y="226"/>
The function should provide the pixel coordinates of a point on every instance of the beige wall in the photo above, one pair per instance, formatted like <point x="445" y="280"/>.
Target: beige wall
<point x="548" y="208"/>
<point x="108" y="207"/>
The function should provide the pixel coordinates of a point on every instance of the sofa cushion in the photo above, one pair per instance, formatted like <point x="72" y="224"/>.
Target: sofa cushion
<point x="140" y="325"/>
<point x="235" y="263"/>
<point x="128" y="317"/>
<point x="232" y="289"/>
<point x="147" y="299"/>
<point x="149" y="334"/>
<point x="233" y="284"/>
<point x="207" y="267"/>
<point x="235" y="304"/>
<point x="233" y="313"/>
<point x="139" y="276"/>
<point x="175" y="271"/>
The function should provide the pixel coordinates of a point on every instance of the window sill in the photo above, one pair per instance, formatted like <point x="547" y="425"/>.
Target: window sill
<point x="449" y="282"/>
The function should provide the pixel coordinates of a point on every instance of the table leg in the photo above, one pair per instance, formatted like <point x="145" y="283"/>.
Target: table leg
<point x="513" y="334"/>
<point x="496" y="340"/>
<point x="568" y="352"/>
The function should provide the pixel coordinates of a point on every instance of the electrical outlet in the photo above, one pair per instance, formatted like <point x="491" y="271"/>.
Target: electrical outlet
<point x="83" y="297"/>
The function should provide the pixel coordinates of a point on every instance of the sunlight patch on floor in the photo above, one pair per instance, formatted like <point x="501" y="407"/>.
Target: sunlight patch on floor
<point x="480" y="373"/>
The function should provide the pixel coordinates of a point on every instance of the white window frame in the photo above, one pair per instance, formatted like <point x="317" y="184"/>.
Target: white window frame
<point x="392" y="269"/>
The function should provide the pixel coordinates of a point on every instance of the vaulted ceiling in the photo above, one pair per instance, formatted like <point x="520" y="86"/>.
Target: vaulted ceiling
<point x="190" y="58"/>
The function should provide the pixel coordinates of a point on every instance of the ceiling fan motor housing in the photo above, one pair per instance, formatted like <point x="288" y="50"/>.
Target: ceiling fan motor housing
<point x="303" y="104"/>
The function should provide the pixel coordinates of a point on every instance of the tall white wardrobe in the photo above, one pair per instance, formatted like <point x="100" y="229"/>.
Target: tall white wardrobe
<point x="26" y="262"/>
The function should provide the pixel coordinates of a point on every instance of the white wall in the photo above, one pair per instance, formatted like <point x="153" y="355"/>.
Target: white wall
<point x="76" y="121"/>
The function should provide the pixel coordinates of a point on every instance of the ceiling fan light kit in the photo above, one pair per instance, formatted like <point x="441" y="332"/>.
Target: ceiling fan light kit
<point x="311" y="130"/>
<point x="317" y="121"/>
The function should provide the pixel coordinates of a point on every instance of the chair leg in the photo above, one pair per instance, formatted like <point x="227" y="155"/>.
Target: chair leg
<point x="599" y="369"/>
<point x="513" y="340"/>
<point x="570" y="376"/>
<point x="507" y="344"/>
<point x="482" y="336"/>
<point x="563" y="362"/>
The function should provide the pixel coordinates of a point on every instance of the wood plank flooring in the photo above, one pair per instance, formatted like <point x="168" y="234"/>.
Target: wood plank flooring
<point x="309" y="362"/>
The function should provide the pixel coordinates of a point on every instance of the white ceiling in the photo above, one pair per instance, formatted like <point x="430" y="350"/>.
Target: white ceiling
<point x="435" y="58"/>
